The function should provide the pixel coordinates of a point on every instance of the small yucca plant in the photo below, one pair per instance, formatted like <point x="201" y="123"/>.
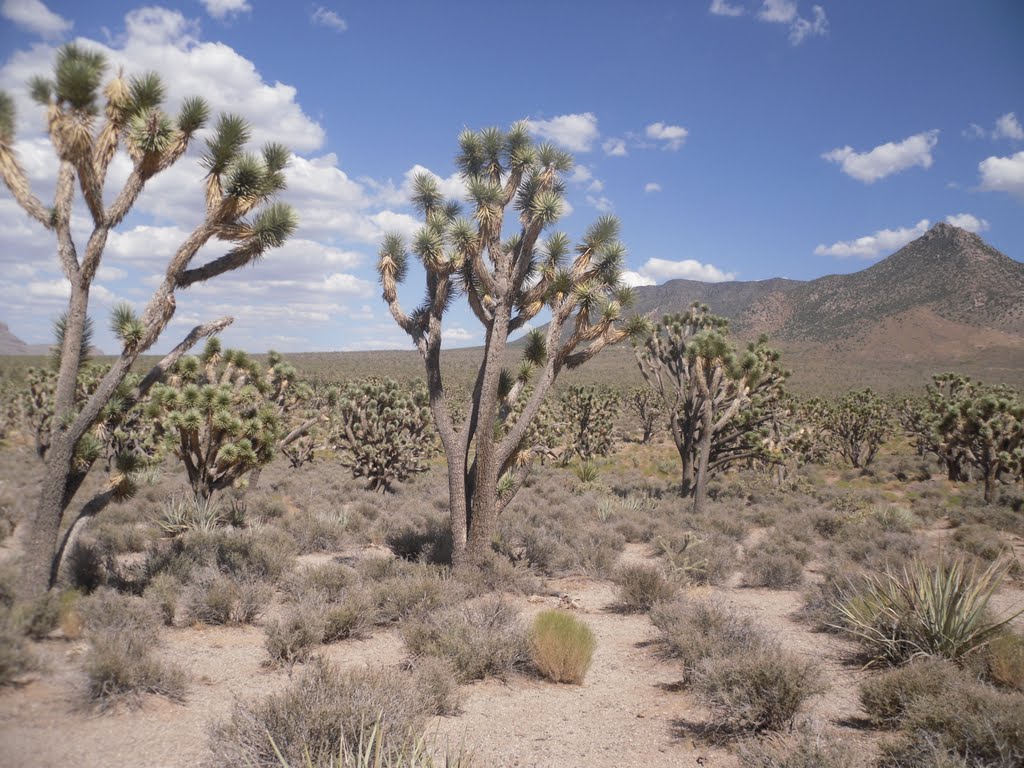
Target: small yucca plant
<point x="562" y="647"/>
<point x="927" y="610"/>
<point x="186" y="512"/>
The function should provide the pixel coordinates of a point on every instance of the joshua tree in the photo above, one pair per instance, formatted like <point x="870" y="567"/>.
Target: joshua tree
<point x="859" y="423"/>
<point x="716" y="400"/>
<point x="507" y="281"/>
<point x="224" y="417"/>
<point x="86" y="131"/>
<point x="383" y="432"/>
<point x="588" y="414"/>
<point x="646" y="406"/>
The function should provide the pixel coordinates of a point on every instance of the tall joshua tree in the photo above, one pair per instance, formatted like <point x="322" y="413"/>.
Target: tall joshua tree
<point x="716" y="398"/>
<point x="507" y="279"/>
<point x="86" y="129"/>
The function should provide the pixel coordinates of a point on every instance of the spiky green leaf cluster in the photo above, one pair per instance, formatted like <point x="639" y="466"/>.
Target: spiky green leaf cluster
<point x="383" y="431"/>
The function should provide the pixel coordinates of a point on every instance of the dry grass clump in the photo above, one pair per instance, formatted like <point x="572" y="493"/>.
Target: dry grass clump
<point x="437" y="685"/>
<point x="762" y="690"/>
<point x="164" y="591"/>
<point x="986" y="543"/>
<point x="119" y="666"/>
<point x="217" y="598"/>
<point x="320" y="710"/>
<point x="804" y="747"/>
<point x="481" y="639"/>
<point x="561" y="647"/>
<point x="641" y="586"/>
<point x="250" y="555"/>
<point x="319" y="530"/>
<point x="349" y="617"/>
<point x="778" y="561"/>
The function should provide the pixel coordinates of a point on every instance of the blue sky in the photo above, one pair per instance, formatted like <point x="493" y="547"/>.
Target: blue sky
<point x="734" y="139"/>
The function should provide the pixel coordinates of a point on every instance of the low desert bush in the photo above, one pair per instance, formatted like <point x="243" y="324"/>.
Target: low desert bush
<point x="326" y="581"/>
<point x="164" y="592"/>
<point x="887" y="696"/>
<point x="481" y="639"/>
<point x="985" y="543"/>
<point x="216" y="598"/>
<point x="496" y="573"/>
<point x="592" y="552"/>
<point x="350" y="617"/>
<point x="695" y="630"/>
<point x="429" y="542"/>
<point x="969" y="724"/>
<point x="561" y="647"/>
<point x="414" y="590"/>
<point x="318" y="711"/>
<point x="762" y="690"/>
<point x="119" y="665"/>
<point x="1004" y="661"/>
<point x="245" y="554"/>
<point x="641" y="586"/>
<point x="934" y="609"/>
<point x="697" y="557"/>
<point x="772" y="567"/>
<point x="437" y="685"/>
<point x="15" y="656"/>
<point x="318" y="530"/>
<point x="292" y="637"/>
<point x="805" y="747"/>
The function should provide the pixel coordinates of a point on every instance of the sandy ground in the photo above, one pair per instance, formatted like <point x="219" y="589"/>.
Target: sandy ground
<point x="629" y="711"/>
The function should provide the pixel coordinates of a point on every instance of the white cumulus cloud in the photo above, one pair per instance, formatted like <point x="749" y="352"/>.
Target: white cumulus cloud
<point x="802" y="28"/>
<point x="777" y="11"/>
<point x="1008" y="127"/>
<point x="220" y="9"/>
<point x="724" y="8"/>
<point x="325" y="17"/>
<point x="615" y="147"/>
<point x="36" y="17"/>
<point x="869" y="246"/>
<point x="577" y="132"/>
<point x="885" y="159"/>
<point x="687" y="269"/>
<point x="652" y="186"/>
<point x="671" y="136"/>
<point x="1003" y="174"/>
<point x="967" y="221"/>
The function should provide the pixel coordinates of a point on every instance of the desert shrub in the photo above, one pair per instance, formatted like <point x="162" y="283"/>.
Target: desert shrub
<point x="592" y="552"/>
<point x="245" y="554"/>
<point x="984" y="542"/>
<point x="326" y="581"/>
<point x="437" y="685"/>
<point x="164" y="591"/>
<point x="822" y="601"/>
<point x="973" y="722"/>
<point x="85" y="567"/>
<point x="866" y="541"/>
<point x="1004" y="661"/>
<point x="496" y="573"/>
<point x="39" y="617"/>
<point x="803" y="748"/>
<point x="694" y="630"/>
<point x="318" y="530"/>
<point x="217" y="598"/>
<point x="885" y="697"/>
<point x="773" y="567"/>
<point x="350" y="617"/>
<point x="15" y="656"/>
<point x="308" y="719"/>
<point x="641" y="586"/>
<point x="292" y="637"/>
<point x="935" y="609"/>
<point x="378" y="569"/>
<point x="481" y="639"/>
<point x="561" y="647"/>
<point x="697" y="557"/>
<point x="429" y="542"/>
<point x="119" y="666"/>
<point x="759" y="691"/>
<point x="415" y="591"/>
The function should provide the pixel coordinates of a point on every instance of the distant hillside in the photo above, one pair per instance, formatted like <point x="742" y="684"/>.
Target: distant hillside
<point x="11" y="344"/>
